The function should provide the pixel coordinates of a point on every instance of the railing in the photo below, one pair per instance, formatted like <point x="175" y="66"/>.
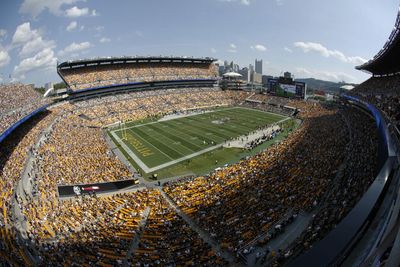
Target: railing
<point x="11" y="129"/>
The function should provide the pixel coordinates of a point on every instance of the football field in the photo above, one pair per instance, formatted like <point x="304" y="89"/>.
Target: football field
<point x="159" y="144"/>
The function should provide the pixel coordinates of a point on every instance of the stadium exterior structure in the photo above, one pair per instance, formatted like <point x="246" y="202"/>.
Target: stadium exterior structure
<point x="123" y="88"/>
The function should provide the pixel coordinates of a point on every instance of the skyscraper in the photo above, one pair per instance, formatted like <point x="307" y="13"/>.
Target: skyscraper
<point x="245" y="74"/>
<point x="251" y="68"/>
<point x="287" y="75"/>
<point x="259" y="66"/>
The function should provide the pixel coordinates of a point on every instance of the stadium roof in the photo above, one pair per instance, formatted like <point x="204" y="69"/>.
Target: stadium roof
<point x="347" y="87"/>
<point x="232" y="74"/>
<point x="386" y="61"/>
<point x="130" y="60"/>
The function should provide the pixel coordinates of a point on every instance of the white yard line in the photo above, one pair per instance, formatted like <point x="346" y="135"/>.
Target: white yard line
<point x="153" y="145"/>
<point x="188" y="115"/>
<point x="176" y="116"/>
<point x="147" y="169"/>
<point x="185" y="158"/>
<point x="130" y="152"/>
<point x="262" y="111"/>
<point x="179" y="135"/>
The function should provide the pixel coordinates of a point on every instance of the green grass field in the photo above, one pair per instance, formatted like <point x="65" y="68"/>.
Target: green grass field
<point x="156" y="145"/>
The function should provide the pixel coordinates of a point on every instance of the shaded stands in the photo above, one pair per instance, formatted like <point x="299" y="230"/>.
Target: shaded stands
<point x="338" y="244"/>
<point x="386" y="61"/>
<point x="138" y="86"/>
<point x="12" y="128"/>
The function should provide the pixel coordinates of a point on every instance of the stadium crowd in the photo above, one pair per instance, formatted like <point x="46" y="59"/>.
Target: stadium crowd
<point x="16" y="101"/>
<point x="241" y="201"/>
<point x="167" y="240"/>
<point x="379" y="85"/>
<point x="100" y="231"/>
<point x="265" y="137"/>
<point x="383" y="93"/>
<point x="270" y="103"/>
<point x="75" y="152"/>
<point x="269" y="99"/>
<point x="13" y="155"/>
<point x="138" y="105"/>
<point x="359" y="170"/>
<point x="95" y="76"/>
<point x="234" y="204"/>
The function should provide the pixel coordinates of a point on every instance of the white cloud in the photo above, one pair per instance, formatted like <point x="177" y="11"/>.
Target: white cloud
<point x="213" y="50"/>
<point x="356" y="60"/>
<point x="3" y="33"/>
<point x="99" y="28"/>
<point x="287" y="49"/>
<point x="75" y="11"/>
<point x="42" y="60"/>
<point x="243" y="2"/>
<point x="324" y="75"/>
<point x="94" y="13"/>
<point x="37" y="52"/>
<point x="72" y="26"/>
<point x="23" y="34"/>
<point x="259" y="47"/>
<point x="4" y="57"/>
<point x="232" y="48"/>
<point x="35" y="45"/>
<point x="322" y="50"/>
<point x="35" y="7"/>
<point x="31" y="40"/>
<point x="105" y="40"/>
<point x="74" y="48"/>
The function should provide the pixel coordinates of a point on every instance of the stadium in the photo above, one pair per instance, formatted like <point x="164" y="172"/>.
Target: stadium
<point x="149" y="161"/>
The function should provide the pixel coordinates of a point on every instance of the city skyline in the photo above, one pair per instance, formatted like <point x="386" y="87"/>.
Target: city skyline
<point x="286" y="35"/>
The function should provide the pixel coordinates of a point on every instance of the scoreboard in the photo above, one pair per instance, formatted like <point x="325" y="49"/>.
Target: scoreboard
<point x="287" y="88"/>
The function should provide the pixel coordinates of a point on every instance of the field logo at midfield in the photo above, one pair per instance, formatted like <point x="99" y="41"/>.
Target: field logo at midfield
<point x="142" y="149"/>
<point x="221" y="121"/>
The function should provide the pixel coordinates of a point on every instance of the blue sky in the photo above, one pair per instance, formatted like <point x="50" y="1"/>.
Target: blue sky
<point x="310" y="38"/>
